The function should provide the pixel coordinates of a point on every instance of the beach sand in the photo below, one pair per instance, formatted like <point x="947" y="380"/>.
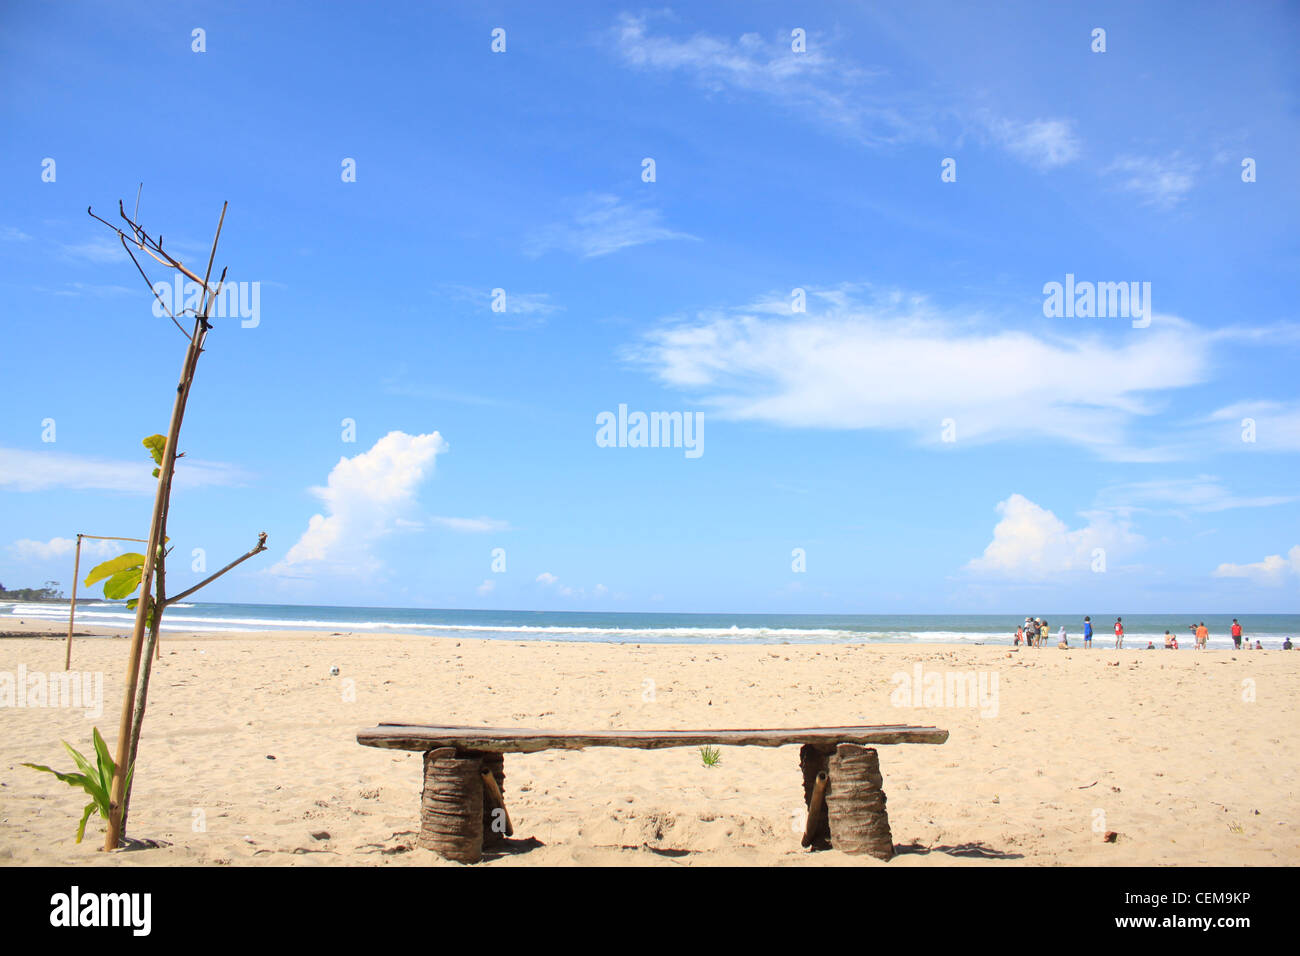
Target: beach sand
<point x="1191" y="758"/>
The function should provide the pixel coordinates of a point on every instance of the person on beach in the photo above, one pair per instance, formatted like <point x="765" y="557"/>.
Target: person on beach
<point x="1119" y="633"/>
<point x="1151" y="646"/>
<point x="1202" y="637"/>
<point x="1061" y="641"/>
<point x="1286" y="645"/>
<point x="1087" y="633"/>
<point x="1044" y="633"/>
<point x="1259" y="646"/>
<point x="1020" y="633"/>
<point x="1236" y="634"/>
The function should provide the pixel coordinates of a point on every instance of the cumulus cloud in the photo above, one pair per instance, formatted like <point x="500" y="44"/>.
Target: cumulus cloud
<point x="1274" y="570"/>
<point x="1030" y="542"/>
<point x="365" y="497"/>
<point x="546" y="578"/>
<point x="28" y="550"/>
<point x="897" y="363"/>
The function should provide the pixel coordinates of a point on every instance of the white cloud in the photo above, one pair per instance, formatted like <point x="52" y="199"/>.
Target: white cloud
<point x="602" y="224"/>
<point x="1045" y="143"/>
<point x="364" y="497"/>
<point x="99" y="249"/>
<point x="1030" y="542"/>
<point x="487" y="587"/>
<point x="813" y="83"/>
<point x="472" y="525"/>
<point x="1272" y="426"/>
<point x="1204" y="493"/>
<point x="896" y="363"/>
<point x="1161" y="182"/>
<point x="546" y="578"/>
<point x="28" y="550"/>
<point x="22" y="470"/>
<point x="1273" y="570"/>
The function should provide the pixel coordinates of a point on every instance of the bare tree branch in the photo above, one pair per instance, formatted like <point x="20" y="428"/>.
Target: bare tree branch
<point x="260" y="547"/>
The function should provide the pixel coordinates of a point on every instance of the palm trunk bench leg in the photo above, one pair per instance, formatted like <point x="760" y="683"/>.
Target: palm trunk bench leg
<point x="855" y="802"/>
<point x="817" y="830"/>
<point x="496" y="818"/>
<point x="451" y="805"/>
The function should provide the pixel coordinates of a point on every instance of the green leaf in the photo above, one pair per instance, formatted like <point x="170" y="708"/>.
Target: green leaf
<point x="122" y="583"/>
<point x="73" y="779"/>
<point x="105" y="758"/>
<point x="87" y="768"/>
<point x="81" y="829"/>
<point x="156" y="444"/>
<point x="113" y="565"/>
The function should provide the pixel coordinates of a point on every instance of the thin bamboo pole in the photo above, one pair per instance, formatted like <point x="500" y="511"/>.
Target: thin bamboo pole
<point x="76" y="575"/>
<point x="72" y="608"/>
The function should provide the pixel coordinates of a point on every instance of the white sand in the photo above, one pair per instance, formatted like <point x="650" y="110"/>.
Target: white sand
<point x="1163" y="749"/>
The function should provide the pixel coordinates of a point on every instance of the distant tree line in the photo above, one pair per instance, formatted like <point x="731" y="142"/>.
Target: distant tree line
<point x="50" y="592"/>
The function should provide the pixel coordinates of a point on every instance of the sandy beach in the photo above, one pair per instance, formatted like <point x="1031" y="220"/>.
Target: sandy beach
<point x="249" y="754"/>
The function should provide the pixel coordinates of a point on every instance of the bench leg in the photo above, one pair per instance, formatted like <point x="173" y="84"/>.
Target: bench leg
<point x="855" y="802"/>
<point x="496" y="819"/>
<point x="451" y="805"/>
<point x="817" y="830"/>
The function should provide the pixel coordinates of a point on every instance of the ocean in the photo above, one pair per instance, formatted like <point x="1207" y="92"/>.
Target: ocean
<point x="658" y="628"/>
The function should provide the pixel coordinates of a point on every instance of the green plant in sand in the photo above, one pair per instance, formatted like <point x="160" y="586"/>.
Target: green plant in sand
<point x="711" y="755"/>
<point x="96" y="779"/>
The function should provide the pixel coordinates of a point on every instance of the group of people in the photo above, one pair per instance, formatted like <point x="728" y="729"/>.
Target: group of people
<point x="1036" y="632"/>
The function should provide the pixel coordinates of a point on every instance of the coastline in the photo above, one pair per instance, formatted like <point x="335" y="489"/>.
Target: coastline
<point x="1165" y="749"/>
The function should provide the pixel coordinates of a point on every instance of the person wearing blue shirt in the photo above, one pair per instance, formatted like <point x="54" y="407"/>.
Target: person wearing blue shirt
<point x="1087" y="632"/>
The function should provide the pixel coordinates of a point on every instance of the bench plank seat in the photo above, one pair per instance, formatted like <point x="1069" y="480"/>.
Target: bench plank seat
<point x="422" y="737"/>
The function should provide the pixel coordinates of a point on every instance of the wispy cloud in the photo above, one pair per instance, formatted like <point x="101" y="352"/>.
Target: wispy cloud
<point x="22" y="470"/>
<point x="895" y="362"/>
<point x="1265" y="425"/>
<point x="98" y="249"/>
<point x="1201" y="494"/>
<point x="853" y="100"/>
<point x="602" y="224"/>
<point x="1160" y="182"/>
<point x="1044" y="143"/>
<point x="35" y="551"/>
<point x="471" y="525"/>
<point x="508" y="307"/>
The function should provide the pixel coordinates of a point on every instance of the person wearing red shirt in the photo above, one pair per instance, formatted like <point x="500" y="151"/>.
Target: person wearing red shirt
<point x="1119" y="633"/>
<point x="1236" y="634"/>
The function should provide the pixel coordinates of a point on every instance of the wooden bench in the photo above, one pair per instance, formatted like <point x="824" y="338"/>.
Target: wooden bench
<point x="462" y="803"/>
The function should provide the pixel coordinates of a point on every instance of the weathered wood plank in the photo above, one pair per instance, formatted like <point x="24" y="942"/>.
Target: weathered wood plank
<point x="401" y="736"/>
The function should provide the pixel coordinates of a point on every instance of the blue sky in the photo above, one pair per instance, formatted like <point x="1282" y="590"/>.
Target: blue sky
<point x="922" y="430"/>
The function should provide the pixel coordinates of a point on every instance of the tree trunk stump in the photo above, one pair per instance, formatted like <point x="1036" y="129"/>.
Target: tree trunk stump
<point x="855" y="802"/>
<point x="451" y="805"/>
